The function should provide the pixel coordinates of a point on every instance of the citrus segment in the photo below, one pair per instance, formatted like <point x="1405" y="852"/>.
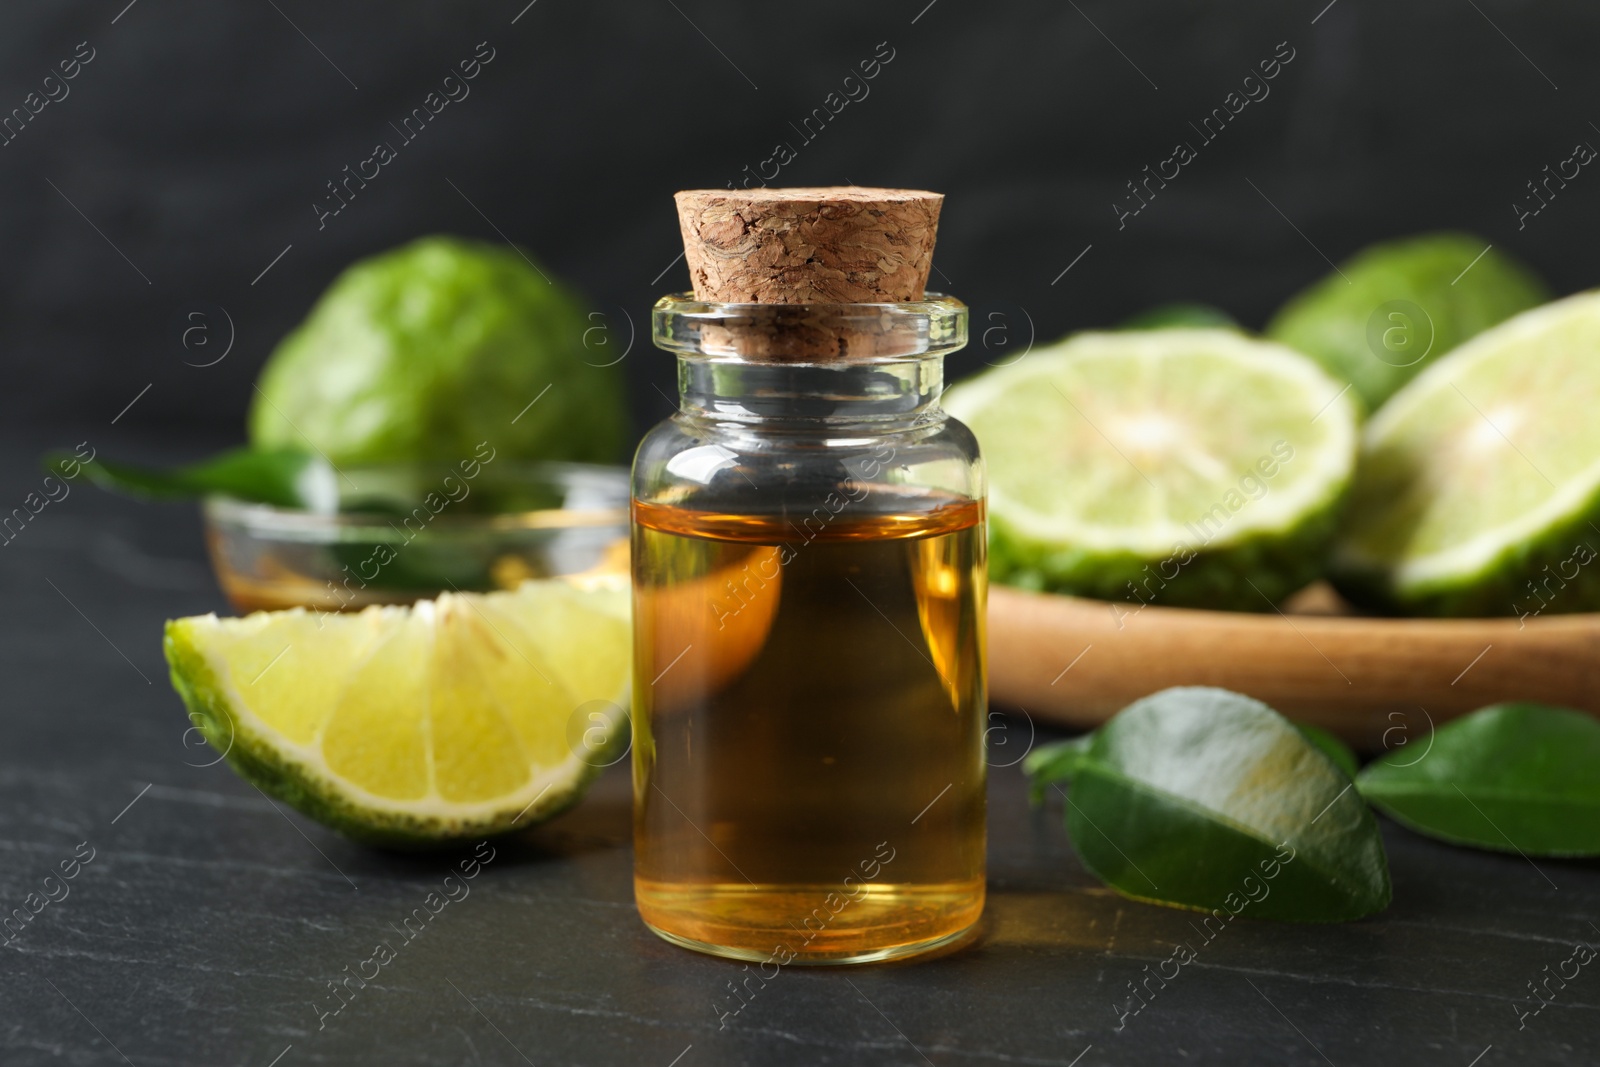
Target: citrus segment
<point x="410" y="725"/>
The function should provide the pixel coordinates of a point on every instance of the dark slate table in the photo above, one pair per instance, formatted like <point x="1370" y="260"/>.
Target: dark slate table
<point x="209" y="923"/>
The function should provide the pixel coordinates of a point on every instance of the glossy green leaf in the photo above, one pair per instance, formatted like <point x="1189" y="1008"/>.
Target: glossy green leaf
<point x="1186" y="315"/>
<point x="1331" y="747"/>
<point x="1053" y="763"/>
<point x="1206" y="799"/>
<point x="282" y="477"/>
<point x="1511" y="777"/>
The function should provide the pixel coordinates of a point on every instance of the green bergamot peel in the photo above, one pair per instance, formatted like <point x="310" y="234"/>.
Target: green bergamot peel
<point x="1394" y="308"/>
<point x="426" y="352"/>
<point x="1181" y="467"/>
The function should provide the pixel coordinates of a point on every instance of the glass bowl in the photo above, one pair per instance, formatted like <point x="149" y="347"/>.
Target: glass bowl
<point x="397" y="534"/>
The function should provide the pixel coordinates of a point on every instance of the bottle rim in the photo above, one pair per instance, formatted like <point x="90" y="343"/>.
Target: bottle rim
<point x="809" y="333"/>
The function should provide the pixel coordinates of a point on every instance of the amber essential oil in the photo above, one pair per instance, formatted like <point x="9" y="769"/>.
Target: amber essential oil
<point x="809" y="710"/>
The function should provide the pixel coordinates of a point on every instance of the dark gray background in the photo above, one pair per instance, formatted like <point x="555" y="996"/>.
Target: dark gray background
<point x="196" y="142"/>
<point x="201" y="134"/>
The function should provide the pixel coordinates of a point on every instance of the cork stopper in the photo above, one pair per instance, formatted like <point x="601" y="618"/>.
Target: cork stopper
<point x="830" y="245"/>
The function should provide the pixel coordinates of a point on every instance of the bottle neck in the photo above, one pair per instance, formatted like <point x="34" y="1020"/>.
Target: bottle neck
<point x="883" y="393"/>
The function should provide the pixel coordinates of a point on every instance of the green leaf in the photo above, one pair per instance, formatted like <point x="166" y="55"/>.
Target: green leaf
<point x="282" y="477"/>
<point x="1331" y="747"/>
<point x="1052" y="763"/>
<point x="1187" y="315"/>
<point x="1206" y="799"/>
<point x="1517" y="777"/>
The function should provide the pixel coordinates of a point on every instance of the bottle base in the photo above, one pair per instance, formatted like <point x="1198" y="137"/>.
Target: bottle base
<point x="811" y="925"/>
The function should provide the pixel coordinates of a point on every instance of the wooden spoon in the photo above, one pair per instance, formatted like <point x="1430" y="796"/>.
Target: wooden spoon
<point x="1375" y="682"/>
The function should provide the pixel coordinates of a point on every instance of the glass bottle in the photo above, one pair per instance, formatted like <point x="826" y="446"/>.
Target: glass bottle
<point x="809" y="572"/>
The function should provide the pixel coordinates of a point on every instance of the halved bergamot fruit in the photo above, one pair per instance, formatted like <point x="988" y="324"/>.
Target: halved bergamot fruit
<point x="1179" y="467"/>
<point x="1478" y="489"/>
<point x="460" y="717"/>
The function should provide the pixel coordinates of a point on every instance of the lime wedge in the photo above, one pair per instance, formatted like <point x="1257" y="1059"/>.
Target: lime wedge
<point x="1478" y="490"/>
<point x="459" y="717"/>
<point x="1189" y="467"/>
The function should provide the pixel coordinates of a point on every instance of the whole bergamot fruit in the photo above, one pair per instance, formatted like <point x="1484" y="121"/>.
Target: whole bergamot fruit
<point x="1395" y="307"/>
<point x="421" y="353"/>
